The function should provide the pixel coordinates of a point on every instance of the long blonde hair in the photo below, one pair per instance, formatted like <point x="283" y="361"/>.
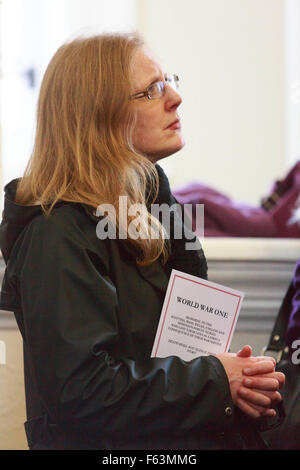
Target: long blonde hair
<point x="83" y="148"/>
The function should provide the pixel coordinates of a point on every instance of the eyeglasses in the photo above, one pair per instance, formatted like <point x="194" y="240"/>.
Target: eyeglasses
<point x="158" y="89"/>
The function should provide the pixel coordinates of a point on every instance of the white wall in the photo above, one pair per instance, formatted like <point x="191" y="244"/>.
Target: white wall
<point x="31" y="32"/>
<point x="229" y="55"/>
<point x="68" y="18"/>
<point x="292" y="56"/>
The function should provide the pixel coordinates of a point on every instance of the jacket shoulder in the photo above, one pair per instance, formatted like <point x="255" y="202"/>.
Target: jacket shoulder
<point x="68" y="229"/>
<point x="66" y="221"/>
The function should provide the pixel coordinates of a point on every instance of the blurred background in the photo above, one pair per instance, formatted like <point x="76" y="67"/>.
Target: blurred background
<point x="239" y="68"/>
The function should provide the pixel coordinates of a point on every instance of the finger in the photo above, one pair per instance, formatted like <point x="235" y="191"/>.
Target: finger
<point x="263" y="411"/>
<point x="259" y="367"/>
<point x="279" y="376"/>
<point x="270" y="412"/>
<point x="261" y="383"/>
<point x="246" y="351"/>
<point x="264" y="358"/>
<point x="254" y="397"/>
<point x="275" y="397"/>
<point x="248" y="409"/>
<point x="254" y="411"/>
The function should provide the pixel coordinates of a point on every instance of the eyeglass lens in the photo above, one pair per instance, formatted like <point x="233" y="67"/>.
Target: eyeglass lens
<point x="172" y="80"/>
<point x="157" y="89"/>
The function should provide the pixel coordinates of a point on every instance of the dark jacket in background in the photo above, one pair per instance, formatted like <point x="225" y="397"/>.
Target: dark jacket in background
<point x="88" y="316"/>
<point x="293" y="309"/>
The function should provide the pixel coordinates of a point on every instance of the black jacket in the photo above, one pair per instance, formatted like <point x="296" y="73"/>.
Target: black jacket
<point x="88" y="316"/>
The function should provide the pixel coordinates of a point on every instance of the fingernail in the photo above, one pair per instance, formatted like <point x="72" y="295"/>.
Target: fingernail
<point x="247" y="371"/>
<point x="248" y="382"/>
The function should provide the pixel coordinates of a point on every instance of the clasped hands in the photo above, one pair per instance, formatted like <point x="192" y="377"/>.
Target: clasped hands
<point x="253" y="382"/>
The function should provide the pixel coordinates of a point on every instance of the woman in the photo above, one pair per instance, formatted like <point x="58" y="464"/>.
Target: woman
<point x="88" y="309"/>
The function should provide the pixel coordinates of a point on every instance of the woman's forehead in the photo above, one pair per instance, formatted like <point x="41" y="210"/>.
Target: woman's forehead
<point x="145" y="68"/>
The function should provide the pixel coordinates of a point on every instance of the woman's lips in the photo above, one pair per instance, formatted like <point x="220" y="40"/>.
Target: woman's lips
<point x="175" y="125"/>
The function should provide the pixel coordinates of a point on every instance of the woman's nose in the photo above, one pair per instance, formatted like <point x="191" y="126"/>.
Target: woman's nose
<point x="173" y="98"/>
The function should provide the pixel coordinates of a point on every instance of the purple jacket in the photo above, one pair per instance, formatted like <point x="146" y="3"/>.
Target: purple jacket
<point x="224" y="217"/>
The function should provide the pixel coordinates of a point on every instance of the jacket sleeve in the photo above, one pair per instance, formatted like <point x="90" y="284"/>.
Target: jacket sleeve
<point x="70" y="318"/>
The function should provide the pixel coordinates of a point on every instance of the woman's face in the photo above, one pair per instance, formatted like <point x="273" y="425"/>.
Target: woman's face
<point x="154" y="134"/>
